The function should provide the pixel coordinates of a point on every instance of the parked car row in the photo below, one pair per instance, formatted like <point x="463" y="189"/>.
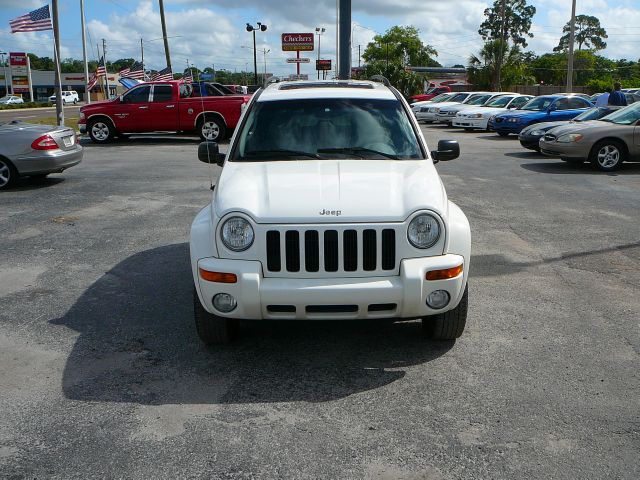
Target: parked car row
<point x="563" y="125"/>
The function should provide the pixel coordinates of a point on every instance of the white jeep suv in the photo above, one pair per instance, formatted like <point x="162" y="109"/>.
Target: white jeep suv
<point x="329" y="207"/>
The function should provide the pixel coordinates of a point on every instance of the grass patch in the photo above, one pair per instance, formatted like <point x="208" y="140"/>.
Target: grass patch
<point x="18" y="106"/>
<point x="71" y="122"/>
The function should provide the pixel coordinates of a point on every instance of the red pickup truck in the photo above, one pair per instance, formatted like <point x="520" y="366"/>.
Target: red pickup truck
<point x="429" y="94"/>
<point x="162" y="106"/>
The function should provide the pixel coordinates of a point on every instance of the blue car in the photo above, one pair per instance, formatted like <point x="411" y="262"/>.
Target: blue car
<point x="547" y="108"/>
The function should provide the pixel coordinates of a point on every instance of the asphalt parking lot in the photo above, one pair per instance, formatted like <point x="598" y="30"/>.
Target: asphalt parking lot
<point x="102" y="374"/>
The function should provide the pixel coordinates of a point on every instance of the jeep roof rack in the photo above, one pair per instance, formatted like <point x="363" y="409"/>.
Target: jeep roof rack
<point x="338" y="84"/>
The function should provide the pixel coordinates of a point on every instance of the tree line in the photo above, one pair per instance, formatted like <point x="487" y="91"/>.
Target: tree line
<point x="503" y="61"/>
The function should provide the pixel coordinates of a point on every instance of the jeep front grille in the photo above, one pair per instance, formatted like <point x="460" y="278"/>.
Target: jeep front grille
<point x="331" y="250"/>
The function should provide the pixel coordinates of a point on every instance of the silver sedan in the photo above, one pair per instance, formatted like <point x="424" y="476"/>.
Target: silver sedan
<point x="28" y="150"/>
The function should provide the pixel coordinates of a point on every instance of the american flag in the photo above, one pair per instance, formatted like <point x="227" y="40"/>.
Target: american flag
<point x="162" y="76"/>
<point x="134" y="71"/>
<point x="35" y="21"/>
<point x="188" y="77"/>
<point x="101" y="70"/>
<point x="92" y="82"/>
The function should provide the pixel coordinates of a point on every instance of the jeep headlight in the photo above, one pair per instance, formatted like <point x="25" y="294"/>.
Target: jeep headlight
<point x="237" y="234"/>
<point x="569" y="137"/>
<point x="423" y="231"/>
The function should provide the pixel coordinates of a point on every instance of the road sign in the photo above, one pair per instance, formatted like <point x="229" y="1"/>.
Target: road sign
<point x="298" y="60"/>
<point x="297" y="42"/>
<point x="323" y="64"/>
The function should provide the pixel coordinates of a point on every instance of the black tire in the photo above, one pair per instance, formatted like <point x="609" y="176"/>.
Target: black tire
<point x="448" y="325"/>
<point x="575" y="161"/>
<point x="608" y="155"/>
<point x="8" y="174"/>
<point x="211" y="129"/>
<point x="103" y="131"/>
<point x="212" y="329"/>
<point x="503" y="134"/>
<point x="75" y="102"/>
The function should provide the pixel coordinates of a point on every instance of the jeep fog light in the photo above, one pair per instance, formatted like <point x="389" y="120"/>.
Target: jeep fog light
<point x="225" y="303"/>
<point x="438" y="299"/>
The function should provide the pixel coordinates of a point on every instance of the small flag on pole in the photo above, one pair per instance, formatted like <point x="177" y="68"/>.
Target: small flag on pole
<point x="101" y="71"/>
<point x="163" y="75"/>
<point x="134" y="71"/>
<point x="188" y="77"/>
<point x="34" y="21"/>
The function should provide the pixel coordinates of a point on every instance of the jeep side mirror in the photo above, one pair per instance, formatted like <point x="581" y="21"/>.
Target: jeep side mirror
<point x="447" y="150"/>
<point x="208" y="152"/>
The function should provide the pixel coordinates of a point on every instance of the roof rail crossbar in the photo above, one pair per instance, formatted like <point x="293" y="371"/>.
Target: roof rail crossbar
<point x="381" y="79"/>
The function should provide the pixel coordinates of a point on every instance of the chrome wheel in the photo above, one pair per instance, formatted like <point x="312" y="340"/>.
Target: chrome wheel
<point x="210" y="130"/>
<point x="100" y="131"/>
<point x="5" y="174"/>
<point x="608" y="156"/>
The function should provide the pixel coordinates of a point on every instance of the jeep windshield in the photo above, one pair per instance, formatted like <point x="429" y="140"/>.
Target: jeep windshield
<point x="326" y="128"/>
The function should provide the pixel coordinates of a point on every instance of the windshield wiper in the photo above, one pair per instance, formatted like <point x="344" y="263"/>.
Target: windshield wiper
<point x="357" y="151"/>
<point x="286" y="153"/>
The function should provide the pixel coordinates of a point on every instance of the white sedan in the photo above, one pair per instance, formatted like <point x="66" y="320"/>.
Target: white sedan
<point x="473" y="118"/>
<point x="11" y="100"/>
<point x="428" y="112"/>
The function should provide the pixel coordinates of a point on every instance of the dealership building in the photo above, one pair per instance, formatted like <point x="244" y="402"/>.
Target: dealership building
<point x="43" y="83"/>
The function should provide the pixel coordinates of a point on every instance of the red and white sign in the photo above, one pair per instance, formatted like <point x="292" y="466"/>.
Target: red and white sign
<point x="297" y="42"/>
<point x="298" y="60"/>
<point x="18" y="59"/>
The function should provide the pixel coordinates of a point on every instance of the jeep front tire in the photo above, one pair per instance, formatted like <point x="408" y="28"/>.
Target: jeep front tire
<point x="212" y="329"/>
<point x="448" y="325"/>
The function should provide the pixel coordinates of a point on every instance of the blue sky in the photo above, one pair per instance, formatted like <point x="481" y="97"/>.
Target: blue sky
<point x="209" y="32"/>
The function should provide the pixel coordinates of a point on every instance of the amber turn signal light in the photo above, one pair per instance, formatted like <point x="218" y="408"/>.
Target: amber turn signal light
<point x="444" y="274"/>
<point x="217" y="276"/>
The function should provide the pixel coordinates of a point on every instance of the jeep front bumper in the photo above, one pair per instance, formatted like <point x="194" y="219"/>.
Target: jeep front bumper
<point x="401" y="296"/>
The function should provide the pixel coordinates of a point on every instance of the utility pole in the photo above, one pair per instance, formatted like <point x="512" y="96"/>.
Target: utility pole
<point x="359" y="56"/>
<point x="142" y="55"/>
<point x="56" y="45"/>
<point x="84" y="53"/>
<point x="319" y="32"/>
<point x="264" y="52"/>
<point x="344" y="39"/>
<point x="164" y="35"/>
<point x="501" y="45"/>
<point x="571" y="40"/>
<point x="106" y="74"/>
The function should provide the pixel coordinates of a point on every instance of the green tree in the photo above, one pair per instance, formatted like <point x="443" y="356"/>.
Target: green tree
<point x="483" y="68"/>
<point x="406" y="81"/>
<point x="400" y="46"/>
<point x="588" y="32"/>
<point x="517" y="22"/>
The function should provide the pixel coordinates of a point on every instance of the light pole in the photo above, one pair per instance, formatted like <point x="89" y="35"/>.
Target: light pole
<point x="319" y="32"/>
<point x="251" y="28"/>
<point x="6" y="84"/>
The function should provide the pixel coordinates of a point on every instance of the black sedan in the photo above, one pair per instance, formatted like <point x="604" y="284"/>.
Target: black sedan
<point x="530" y="136"/>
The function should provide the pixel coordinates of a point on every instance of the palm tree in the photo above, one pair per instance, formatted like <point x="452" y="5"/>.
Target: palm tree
<point x="485" y="64"/>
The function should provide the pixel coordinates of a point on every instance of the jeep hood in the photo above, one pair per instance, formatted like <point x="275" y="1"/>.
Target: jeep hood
<point x="345" y="190"/>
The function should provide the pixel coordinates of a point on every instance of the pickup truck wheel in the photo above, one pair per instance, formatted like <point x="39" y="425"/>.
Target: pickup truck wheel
<point x="211" y="129"/>
<point x="8" y="174"/>
<point x="101" y="131"/>
<point x="607" y="155"/>
<point x="212" y="329"/>
<point x="448" y="325"/>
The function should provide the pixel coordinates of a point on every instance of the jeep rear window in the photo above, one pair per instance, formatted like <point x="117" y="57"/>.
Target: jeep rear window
<point x="327" y="128"/>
